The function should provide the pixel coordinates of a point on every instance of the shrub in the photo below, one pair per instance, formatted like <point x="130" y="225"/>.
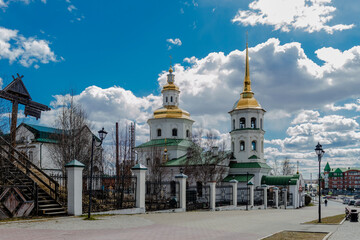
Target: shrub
<point x="307" y="200"/>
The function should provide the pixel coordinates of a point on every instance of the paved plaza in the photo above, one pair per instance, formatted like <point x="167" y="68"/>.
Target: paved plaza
<point x="238" y="224"/>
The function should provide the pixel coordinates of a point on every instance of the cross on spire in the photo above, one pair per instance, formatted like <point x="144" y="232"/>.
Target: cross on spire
<point x="18" y="76"/>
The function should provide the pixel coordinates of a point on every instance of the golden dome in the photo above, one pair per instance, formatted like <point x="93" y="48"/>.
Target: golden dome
<point x="171" y="112"/>
<point x="170" y="86"/>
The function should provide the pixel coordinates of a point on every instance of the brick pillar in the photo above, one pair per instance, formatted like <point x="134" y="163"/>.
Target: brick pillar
<point x="234" y="184"/>
<point x="212" y="195"/>
<point x="140" y="170"/>
<point x="264" y="187"/>
<point x="74" y="171"/>
<point x="276" y="192"/>
<point x="182" y="180"/>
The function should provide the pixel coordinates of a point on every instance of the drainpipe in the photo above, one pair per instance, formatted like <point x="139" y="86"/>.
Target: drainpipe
<point x="41" y="155"/>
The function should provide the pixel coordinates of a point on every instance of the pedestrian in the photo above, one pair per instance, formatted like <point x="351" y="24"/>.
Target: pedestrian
<point x="325" y="202"/>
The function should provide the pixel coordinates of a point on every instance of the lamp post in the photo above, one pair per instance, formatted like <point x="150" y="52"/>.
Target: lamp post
<point x="319" y="152"/>
<point x="102" y="135"/>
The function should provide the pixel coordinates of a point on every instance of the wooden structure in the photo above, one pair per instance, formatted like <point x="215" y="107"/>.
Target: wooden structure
<point x="17" y="93"/>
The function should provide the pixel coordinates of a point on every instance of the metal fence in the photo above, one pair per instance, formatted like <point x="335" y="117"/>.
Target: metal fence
<point x="224" y="195"/>
<point x="270" y="198"/>
<point x="243" y="196"/>
<point x="162" y="195"/>
<point x="258" y="197"/>
<point x="62" y="180"/>
<point x="197" y="197"/>
<point x="289" y="199"/>
<point x="281" y="198"/>
<point x="109" y="192"/>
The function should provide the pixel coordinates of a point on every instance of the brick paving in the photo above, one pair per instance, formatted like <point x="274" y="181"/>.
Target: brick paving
<point x="238" y="224"/>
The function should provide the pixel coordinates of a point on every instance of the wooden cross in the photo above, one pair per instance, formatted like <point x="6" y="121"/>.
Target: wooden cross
<point x="17" y="93"/>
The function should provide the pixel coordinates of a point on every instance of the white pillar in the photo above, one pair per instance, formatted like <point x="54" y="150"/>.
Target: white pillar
<point x="285" y="197"/>
<point x="212" y="195"/>
<point x="234" y="184"/>
<point x="276" y="192"/>
<point x="139" y="170"/>
<point x="182" y="180"/>
<point x="74" y="187"/>
<point x="264" y="187"/>
<point x="251" y="194"/>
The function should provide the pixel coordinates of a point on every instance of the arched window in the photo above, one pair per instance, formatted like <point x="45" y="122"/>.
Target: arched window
<point x="187" y="133"/>
<point x="147" y="161"/>
<point x="242" y="123"/>
<point x="253" y="122"/>
<point x="166" y="99"/>
<point x="232" y="147"/>
<point x="159" y="132"/>
<point x="233" y="126"/>
<point x="253" y="145"/>
<point x="261" y="124"/>
<point x="171" y="99"/>
<point x="242" y="146"/>
<point x="174" y="132"/>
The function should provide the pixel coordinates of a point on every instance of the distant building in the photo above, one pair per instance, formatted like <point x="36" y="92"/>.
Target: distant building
<point x="341" y="178"/>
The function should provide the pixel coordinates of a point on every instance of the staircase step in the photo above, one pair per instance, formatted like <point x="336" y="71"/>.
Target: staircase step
<point x="48" y="205"/>
<point x="58" y="209"/>
<point x="55" y="213"/>
<point x="46" y="201"/>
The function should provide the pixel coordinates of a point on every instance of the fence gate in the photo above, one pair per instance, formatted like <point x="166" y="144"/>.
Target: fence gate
<point x="197" y="197"/>
<point x="109" y="192"/>
<point x="258" y="197"/>
<point x="223" y="195"/>
<point x="243" y="196"/>
<point x="162" y="195"/>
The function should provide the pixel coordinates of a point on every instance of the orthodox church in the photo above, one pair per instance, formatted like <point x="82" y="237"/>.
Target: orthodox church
<point x="171" y="132"/>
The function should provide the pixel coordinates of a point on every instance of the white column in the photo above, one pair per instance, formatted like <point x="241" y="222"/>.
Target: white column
<point x="182" y="180"/>
<point x="264" y="187"/>
<point x="251" y="190"/>
<point x="285" y="197"/>
<point x="139" y="170"/>
<point x="74" y="187"/>
<point x="294" y="191"/>
<point x="276" y="192"/>
<point x="212" y="195"/>
<point x="234" y="184"/>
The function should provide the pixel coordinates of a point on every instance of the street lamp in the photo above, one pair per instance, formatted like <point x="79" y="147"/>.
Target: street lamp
<point x="319" y="152"/>
<point x="102" y="136"/>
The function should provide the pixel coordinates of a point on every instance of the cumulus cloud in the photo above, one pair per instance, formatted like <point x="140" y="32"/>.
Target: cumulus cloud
<point x="283" y="81"/>
<point x="347" y="106"/>
<point x="27" y="51"/>
<point x="308" y="15"/>
<point x="173" y="42"/>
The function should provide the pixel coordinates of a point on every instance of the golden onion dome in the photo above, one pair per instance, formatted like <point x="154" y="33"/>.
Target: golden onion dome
<point x="171" y="112"/>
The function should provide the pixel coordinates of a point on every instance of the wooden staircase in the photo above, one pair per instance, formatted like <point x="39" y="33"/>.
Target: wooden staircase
<point x="18" y="171"/>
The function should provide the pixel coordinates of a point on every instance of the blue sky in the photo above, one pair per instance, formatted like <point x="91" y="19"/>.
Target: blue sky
<point x="304" y="58"/>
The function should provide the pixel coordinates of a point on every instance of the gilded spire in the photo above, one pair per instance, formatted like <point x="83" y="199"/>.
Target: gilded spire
<point x="247" y="99"/>
<point x="247" y="82"/>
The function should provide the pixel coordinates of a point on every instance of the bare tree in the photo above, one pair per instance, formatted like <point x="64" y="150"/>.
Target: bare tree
<point x="74" y="138"/>
<point x="206" y="163"/>
<point x="287" y="168"/>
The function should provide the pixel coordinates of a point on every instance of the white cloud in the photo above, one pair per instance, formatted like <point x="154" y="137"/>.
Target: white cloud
<point x="16" y="47"/>
<point x="5" y="3"/>
<point x="71" y="8"/>
<point x="308" y="15"/>
<point x="347" y="106"/>
<point x="174" y="42"/>
<point x="1" y="83"/>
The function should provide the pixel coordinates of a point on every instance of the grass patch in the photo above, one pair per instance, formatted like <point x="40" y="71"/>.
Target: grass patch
<point x="330" y="220"/>
<point x="289" y="235"/>
<point x="92" y="218"/>
<point x="311" y="205"/>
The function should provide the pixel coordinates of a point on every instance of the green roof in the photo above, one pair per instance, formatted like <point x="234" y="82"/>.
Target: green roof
<point x="181" y="161"/>
<point x="169" y="142"/>
<point x="280" y="180"/>
<point x="249" y="165"/>
<point x="327" y="167"/>
<point x="239" y="178"/>
<point x="254" y="157"/>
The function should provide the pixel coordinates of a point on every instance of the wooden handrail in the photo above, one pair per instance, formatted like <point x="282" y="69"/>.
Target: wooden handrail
<point x="28" y="170"/>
